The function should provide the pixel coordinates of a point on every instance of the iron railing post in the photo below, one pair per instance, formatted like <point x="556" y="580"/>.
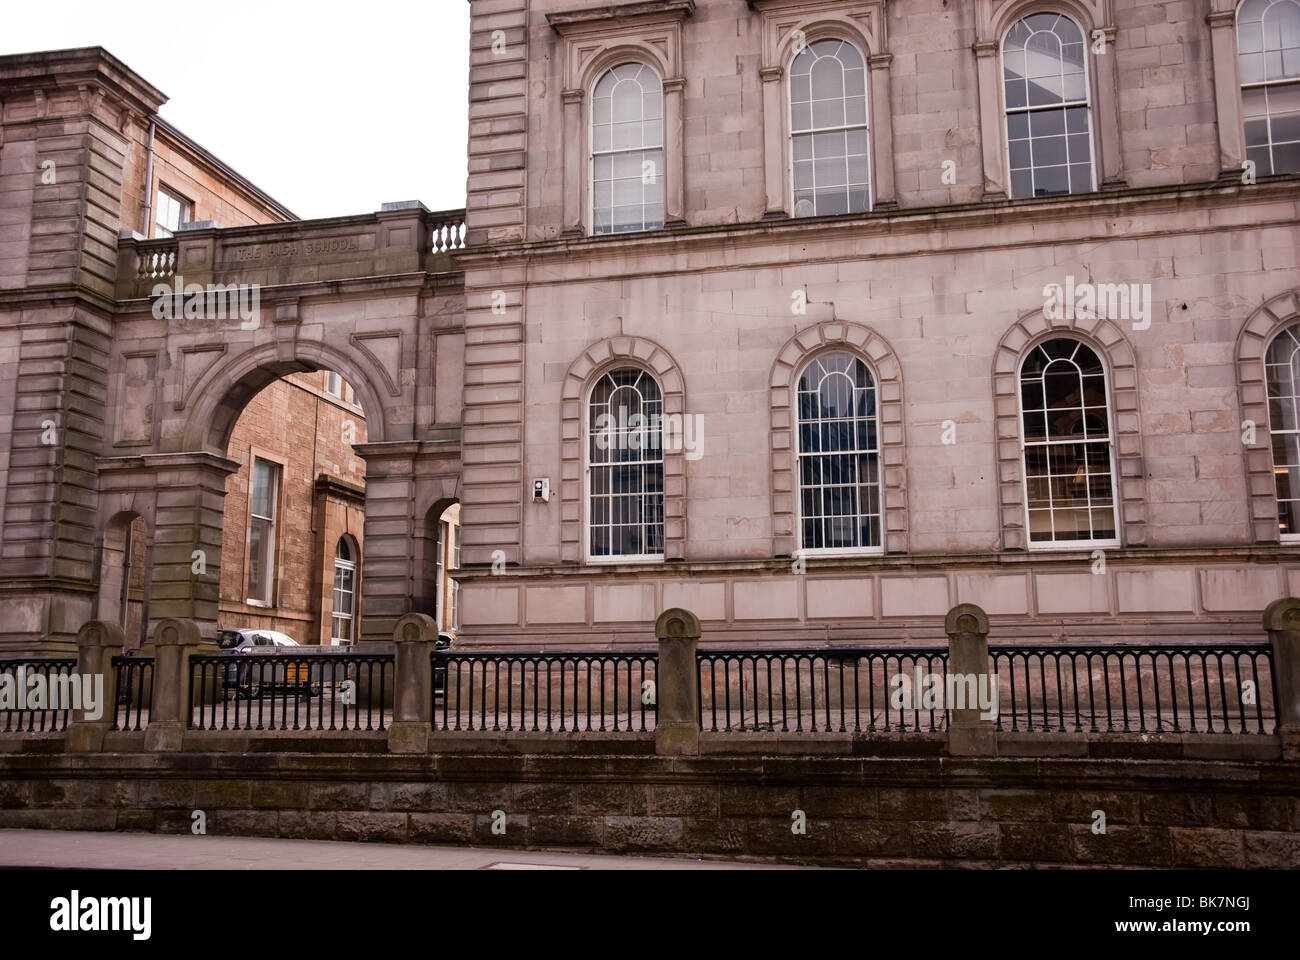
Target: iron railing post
<point x="169" y="710"/>
<point x="677" y="683"/>
<point x="969" y="734"/>
<point x="98" y="642"/>
<point x="414" y="638"/>
<point x="1282" y="621"/>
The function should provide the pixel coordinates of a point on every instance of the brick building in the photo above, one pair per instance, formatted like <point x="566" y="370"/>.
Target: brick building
<point x="990" y="301"/>
<point x="293" y="532"/>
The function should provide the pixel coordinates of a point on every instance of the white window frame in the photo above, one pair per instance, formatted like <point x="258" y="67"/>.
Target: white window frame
<point x="351" y="615"/>
<point x="791" y="132"/>
<point x="276" y="474"/>
<point x="592" y="152"/>
<point x="1293" y="537"/>
<point x="865" y="551"/>
<point x="1006" y="111"/>
<point x="586" y="474"/>
<point x="1058" y="545"/>
<point x="184" y="213"/>
<point x="1264" y="85"/>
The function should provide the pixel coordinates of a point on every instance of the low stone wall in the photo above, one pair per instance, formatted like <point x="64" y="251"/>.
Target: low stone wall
<point x="920" y="811"/>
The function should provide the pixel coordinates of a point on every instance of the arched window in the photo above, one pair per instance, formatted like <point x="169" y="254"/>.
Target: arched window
<point x="625" y="467"/>
<point x="838" y="456"/>
<point x="1049" y="125"/>
<point x="1066" y="445"/>
<point x="1268" y="51"/>
<point x="828" y="130"/>
<point x="1282" y="374"/>
<point x="627" y="155"/>
<point x="345" y="591"/>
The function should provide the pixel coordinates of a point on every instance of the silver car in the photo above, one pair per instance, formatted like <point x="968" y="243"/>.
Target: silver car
<point x="249" y="679"/>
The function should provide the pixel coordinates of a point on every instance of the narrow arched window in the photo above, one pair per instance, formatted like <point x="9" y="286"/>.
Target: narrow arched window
<point x="839" y="456"/>
<point x="625" y="467"/>
<point x="1066" y="444"/>
<point x="828" y="130"/>
<point x="627" y="150"/>
<point x="1268" y="51"/>
<point x="345" y="591"/>
<point x="1282" y="374"/>
<point x="1049" y="124"/>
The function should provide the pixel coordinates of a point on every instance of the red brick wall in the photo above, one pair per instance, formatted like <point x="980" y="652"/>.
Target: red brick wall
<point x="293" y="422"/>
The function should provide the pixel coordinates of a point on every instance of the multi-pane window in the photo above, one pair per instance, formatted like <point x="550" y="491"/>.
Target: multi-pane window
<point x="1066" y="444"/>
<point x="345" y="592"/>
<point x="839" y="456"/>
<point x="1268" y="50"/>
<point x="172" y="212"/>
<point x="627" y="150"/>
<point x="1049" y="125"/>
<point x="828" y="130"/>
<point x="333" y="384"/>
<point x="1282" y="372"/>
<point x="448" y="589"/>
<point x="261" y="531"/>
<point x="625" y="466"/>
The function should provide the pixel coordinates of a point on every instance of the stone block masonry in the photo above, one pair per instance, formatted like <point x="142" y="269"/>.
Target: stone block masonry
<point x="909" y="811"/>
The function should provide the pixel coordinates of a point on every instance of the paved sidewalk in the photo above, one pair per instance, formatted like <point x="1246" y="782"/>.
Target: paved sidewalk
<point x="86" y="850"/>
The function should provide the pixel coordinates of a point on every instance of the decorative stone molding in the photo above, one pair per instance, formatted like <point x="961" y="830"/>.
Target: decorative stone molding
<point x="789" y="22"/>
<point x="596" y="40"/>
<point x="218" y="395"/>
<point x="888" y="373"/>
<point x="993" y="18"/>
<point x="1252" y="343"/>
<point x="1120" y="362"/>
<point x="594" y="361"/>
<point x="1227" y="86"/>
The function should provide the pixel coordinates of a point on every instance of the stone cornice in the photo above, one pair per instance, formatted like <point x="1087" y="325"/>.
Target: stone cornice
<point x="894" y="223"/>
<point x="1143" y="558"/>
<point x="84" y="66"/>
<point x="563" y="21"/>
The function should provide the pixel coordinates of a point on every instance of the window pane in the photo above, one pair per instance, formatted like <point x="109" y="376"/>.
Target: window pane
<point x="838" y="472"/>
<point x="1066" y="443"/>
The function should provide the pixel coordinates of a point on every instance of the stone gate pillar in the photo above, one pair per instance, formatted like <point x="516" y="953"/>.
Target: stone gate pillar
<point x="190" y="492"/>
<point x="402" y="478"/>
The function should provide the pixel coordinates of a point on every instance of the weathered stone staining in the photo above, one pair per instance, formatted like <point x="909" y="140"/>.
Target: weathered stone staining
<point x="474" y="339"/>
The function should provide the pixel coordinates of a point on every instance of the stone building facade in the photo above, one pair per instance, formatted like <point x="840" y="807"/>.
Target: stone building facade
<point x="843" y="248"/>
<point x="938" y="288"/>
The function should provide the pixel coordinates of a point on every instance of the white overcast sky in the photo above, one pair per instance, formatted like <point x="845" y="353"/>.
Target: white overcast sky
<point x="332" y="107"/>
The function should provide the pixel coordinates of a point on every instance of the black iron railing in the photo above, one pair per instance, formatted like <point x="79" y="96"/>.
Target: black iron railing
<point x="134" y="692"/>
<point x="611" y="692"/>
<point x="1142" y="688"/>
<point x="841" y="690"/>
<point x="322" y="690"/>
<point x="30" y="694"/>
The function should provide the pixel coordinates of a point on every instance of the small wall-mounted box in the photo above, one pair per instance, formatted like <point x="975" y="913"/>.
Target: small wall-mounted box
<point x="541" y="491"/>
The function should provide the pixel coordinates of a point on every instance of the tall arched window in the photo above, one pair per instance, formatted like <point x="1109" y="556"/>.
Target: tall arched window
<point x="1066" y="445"/>
<point x="1268" y="51"/>
<point x="627" y="150"/>
<point x="1282" y="374"/>
<point x="1049" y="125"/>
<point x="345" y="591"/>
<point x="839" y="456"/>
<point x="828" y="130"/>
<point x="625" y="467"/>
